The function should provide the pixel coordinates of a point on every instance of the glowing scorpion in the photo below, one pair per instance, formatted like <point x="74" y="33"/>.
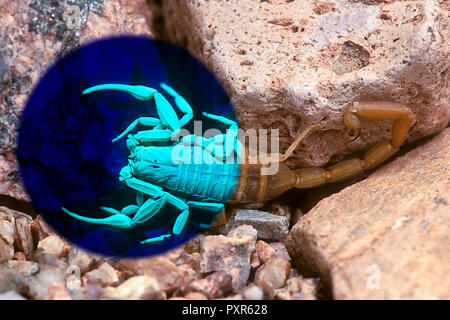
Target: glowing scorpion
<point x="153" y="171"/>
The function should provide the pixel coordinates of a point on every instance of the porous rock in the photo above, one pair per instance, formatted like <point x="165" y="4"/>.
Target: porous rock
<point x="289" y="64"/>
<point x="386" y="237"/>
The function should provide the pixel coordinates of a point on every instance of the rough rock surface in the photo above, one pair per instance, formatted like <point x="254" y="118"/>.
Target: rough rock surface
<point x="269" y="226"/>
<point x="207" y="267"/>
<point x="11" y="295"/>
<point x="386" y="237"/>
<point x="49" y="282"/>
<point x="253" y="292"/>
<point x="105" y="275"/>
<point x="272" y="275"/>
<point x="33" y="34"/>
<point x="216" y="285"/>
<point x="7" y="235"/>
<point x="298" y="288"/>
<point x="81" y="259"/>
<point x="53" y="244"/>
<point x="231" y="254"/>
<point x="134" y="288"/>
<point x="168" y="275"/>
<point x="289" y="64"/>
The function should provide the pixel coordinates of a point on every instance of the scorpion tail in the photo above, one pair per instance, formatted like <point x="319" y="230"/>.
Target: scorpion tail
<point x="116" y="221"/>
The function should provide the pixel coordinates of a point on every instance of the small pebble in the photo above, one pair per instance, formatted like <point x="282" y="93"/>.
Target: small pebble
<point x="253" y="292"/>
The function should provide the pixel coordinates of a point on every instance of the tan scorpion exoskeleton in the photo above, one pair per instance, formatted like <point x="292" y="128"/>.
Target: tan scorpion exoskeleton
<point x="255" y="187"/>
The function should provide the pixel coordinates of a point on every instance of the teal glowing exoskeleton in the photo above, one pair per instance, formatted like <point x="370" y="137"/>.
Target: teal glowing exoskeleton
<point x="192" y="167"/>
<point x="159" y="173"/>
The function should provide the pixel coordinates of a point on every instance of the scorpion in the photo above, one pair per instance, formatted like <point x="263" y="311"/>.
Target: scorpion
<point x="154" y="172"/>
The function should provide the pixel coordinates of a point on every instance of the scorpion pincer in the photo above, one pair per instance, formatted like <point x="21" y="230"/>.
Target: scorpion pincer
<point x="159" y="173"/>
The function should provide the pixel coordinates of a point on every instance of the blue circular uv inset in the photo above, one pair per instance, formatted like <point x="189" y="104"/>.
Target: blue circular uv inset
<point x="65" y="153"/>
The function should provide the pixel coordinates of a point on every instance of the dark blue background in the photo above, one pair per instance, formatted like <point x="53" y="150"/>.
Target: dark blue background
<point x="65" y="153"/>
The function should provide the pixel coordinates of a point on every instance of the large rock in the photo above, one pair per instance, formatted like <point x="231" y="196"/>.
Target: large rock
<point x="33" y="34"/>
<point x="386" y="237"/>
<point x="289" y="64"/>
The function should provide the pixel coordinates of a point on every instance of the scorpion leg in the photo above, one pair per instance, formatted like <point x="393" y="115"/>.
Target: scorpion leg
<point x="216" y="208"/>
<point x="180" y="221"/>
<point x="402" y="120"/>
<point x="120" y="219"/>
<point x="148" y="136"/>
<point x="166" y="113"/>
<point x="128" y="210"/>
<point x="145" y="121"/>
<point x="230" y="138"/>
<point x="151" y="207"/>
<point x="139" y="198"/>
<point x="116" y="220"/>
<point x="181" y="103"/>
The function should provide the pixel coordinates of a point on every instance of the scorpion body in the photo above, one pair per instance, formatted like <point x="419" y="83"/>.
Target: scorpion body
<point x="161" y="173"/>
<point x="209" y="182"/>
